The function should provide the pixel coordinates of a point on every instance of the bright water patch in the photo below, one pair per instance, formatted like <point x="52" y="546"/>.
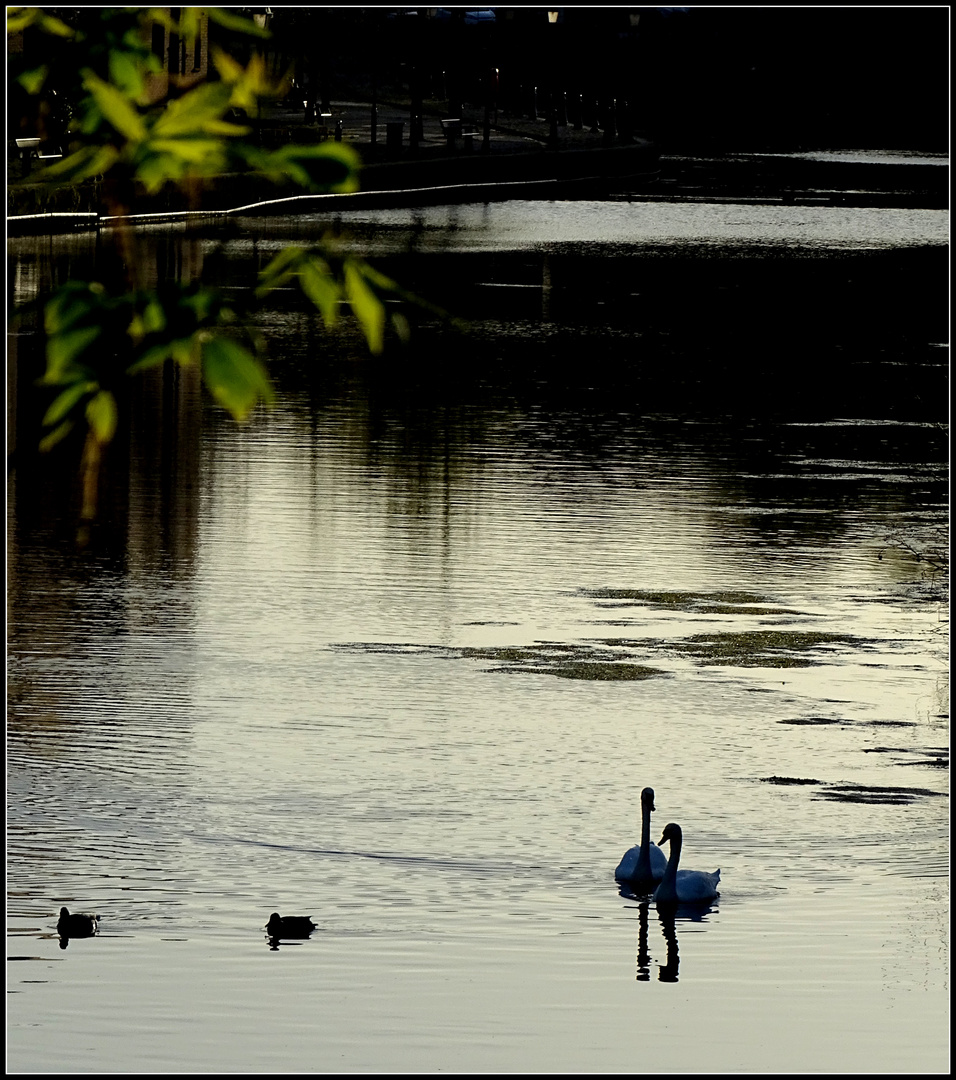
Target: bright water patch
<point x="535" y="225"/>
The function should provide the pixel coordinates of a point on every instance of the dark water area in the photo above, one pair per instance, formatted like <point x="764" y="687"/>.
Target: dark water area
<point x="730" y="331"/>
<point x="850" y="178"/>
<point x="724" y="340"/>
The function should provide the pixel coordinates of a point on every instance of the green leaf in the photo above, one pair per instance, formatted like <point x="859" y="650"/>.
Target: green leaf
<point x="118" y="109"/>
<point x="234" y="377"/>
<point x="164" y="19"/>
<point x="58" y="433"/>
<point x="207" y="123"/>
<point x="101" y="415"/>
<point x="86" y="162"/>
<point x="151" y="357"/>
<point x="230" y="70"/>
<point x="50" y="24"/>
<point x="202" y="303"/>
<point x="328" y="166"/>
<point x="154" y="317"/>
<point x="174" y="159"/>
<point x="385" y="284"/>
<point x="378" y="279"/>
<point x="228" y="21"/>
<point x="278" y="270"/>
<point x="189" y="23"/>
<point x="137" y="328"/>
<point x="66" y="400"/>
<point x="186" y="351"/>
<point x="402" y="327"/>
<point x="126" y="72"/>
<point x="19" y="18"/>
<point x="156" y="170"/>
<point x="32" y="81"/>
<point x="70" y="304"/>
<point x="321" y="288"/>
<point x="368" y="309"/>
<point x="193" y="112"/>
<point x="63" y="349"/>
<point x="246" y="84"/>
<point x="192" y="151"/>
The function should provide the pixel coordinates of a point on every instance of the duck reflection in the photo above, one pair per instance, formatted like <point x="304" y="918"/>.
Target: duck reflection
<point x="275" y="942"/>
<point x="668" y="916"/>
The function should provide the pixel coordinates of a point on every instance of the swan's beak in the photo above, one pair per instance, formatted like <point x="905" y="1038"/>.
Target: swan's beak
<point x="661" y="841"/>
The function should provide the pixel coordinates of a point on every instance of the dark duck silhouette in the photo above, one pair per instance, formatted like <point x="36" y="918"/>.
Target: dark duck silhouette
<point x="77" y="925"/>
<point x="289" y="926"/>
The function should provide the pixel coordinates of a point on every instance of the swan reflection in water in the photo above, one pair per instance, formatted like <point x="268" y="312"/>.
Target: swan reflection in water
<point x="669" y="916"/>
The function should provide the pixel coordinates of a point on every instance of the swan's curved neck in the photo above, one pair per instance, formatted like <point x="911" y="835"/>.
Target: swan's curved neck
<point x="645" y="826"/>
<point x="670" y="874"/>
<point x="643" y="869"/>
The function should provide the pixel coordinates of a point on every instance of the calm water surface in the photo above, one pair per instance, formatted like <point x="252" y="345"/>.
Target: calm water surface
<point x="367" y="659"/>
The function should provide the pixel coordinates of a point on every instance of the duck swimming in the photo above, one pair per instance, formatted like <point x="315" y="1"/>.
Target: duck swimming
<point x="77" y="925"/>
<point x="289" y="926"/>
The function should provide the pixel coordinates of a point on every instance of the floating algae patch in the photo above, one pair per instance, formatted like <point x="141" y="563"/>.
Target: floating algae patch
<point x="935" y="757"/>
<point x="787" y="780"/>
<point x="663" y="598"/>
<point x="490" y="622"/>
<point x="607" y="672"/>
<point x="739" y="609"/>
<point x="564" y="662"/>
<point x="856" y="793"/>
<point x="591" y="671"/>
<point x="709" y="603"/>
<point x="642" y="644"/>
<point x="863" y="793"/>
<point x="515" y="654"/>
<point x="808" y="720"/>
<point x="761" y="648"/>
<point x="394" y="648"/>
<point x="541" y="652"/>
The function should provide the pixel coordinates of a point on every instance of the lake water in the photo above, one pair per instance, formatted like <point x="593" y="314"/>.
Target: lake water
<point x="402" y="653"/>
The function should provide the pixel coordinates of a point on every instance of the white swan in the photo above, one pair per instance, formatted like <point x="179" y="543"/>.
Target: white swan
<point x="645" y="862"/>
<point x="683" y="886"/>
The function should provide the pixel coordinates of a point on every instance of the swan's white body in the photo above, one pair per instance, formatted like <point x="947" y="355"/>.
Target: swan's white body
<point x="683" y="886"/>
<point x="644" y="862"/>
